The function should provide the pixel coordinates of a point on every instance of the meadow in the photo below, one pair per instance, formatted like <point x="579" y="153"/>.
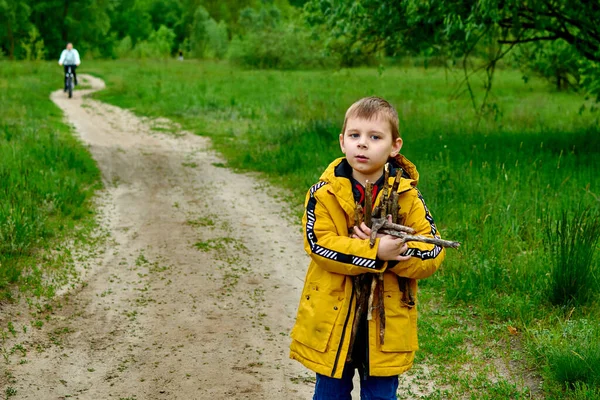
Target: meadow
<point x="517" y="186"/>
<point x="47" y="178"/>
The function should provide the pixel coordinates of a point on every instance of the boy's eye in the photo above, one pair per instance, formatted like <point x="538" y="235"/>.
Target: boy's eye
<point x="354" y="135"/>
<point x="375" y="137"/>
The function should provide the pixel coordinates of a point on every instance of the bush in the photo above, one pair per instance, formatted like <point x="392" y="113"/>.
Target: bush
<point x="33" y="46"/>
<point x="571" y="242"/>
<point x="270" y="42"/>
<point x="217" y="38"/>
<point x="124" y="48"/>
<point x="199" y="36"/>
<point x="286" y="47"/>
<point x="158" y="45"/>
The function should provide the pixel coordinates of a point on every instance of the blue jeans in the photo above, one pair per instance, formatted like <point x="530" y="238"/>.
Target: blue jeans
<point x="371" y="387"/>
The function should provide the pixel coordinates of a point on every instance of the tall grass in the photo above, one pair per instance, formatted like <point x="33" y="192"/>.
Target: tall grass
<point x="572" y="241"/>
<point x="46" y="175"/>
<point x="571" y="352"/>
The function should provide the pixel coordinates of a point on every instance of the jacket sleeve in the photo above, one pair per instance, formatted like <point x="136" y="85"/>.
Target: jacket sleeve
<point x="77" y="59"/>
<point x="425" y="258"/>
<point x="62" y="57"/>
<point x="331" y="249"/>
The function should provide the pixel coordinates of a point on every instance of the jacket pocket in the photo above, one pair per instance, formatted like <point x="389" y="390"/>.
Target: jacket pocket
<point x="400" y="324"/>
<point x="317" y="315"/>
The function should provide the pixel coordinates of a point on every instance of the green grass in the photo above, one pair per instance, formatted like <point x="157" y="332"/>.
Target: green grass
<point x="46" y="180"/>
<point x="571" y="242"/>
<point x="495" y="184"/>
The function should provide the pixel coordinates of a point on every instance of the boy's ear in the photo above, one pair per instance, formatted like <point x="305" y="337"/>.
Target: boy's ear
<point x="396" y="146"/>
<point x="342" y="143"/>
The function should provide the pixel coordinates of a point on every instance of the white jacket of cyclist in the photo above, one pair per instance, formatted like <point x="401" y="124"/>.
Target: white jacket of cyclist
<point x="69" y="57"/>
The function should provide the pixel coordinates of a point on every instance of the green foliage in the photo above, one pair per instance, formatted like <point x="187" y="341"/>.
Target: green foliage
<point x="85" y="23"/>
<point x="571" y="352"/>
<point x="33" y="46"/>
<point x="46" y="175"/>
<point x="457" y="29"/>
<point x="572" y="241"/>
<point x="131" y="18"/>
<point x="199" y="36"/>
<point x="124" y="48"/>
<point x="218" y="40"/>
<point x="208" y="38"/>
<point x="14" y="24"/>
<point x="159" y="44"/>
<point x="555" y="61"/>
<point x="270" y="42"/>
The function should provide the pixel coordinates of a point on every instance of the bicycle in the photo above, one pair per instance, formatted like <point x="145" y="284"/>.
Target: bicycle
<point x="69" y="82"/>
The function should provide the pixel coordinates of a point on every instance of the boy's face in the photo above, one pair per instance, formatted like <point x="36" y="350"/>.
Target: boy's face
<point x="367" y="145"/>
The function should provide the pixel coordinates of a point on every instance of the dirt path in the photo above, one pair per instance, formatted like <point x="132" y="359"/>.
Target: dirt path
<point x="193" y="295"/>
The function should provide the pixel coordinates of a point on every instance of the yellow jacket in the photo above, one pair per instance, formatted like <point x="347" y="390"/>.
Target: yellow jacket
<point x="321" y="334"/>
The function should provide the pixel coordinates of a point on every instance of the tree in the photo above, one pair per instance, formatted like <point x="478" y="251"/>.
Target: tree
<point x="461" y="28"/>
<point x="199" y="35"/>
<point x="85" y="23"/>
<point x="14" y="23"/>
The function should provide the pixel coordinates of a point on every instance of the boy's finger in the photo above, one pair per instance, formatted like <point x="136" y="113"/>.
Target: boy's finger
<point x="365" y="228"/>
<point x="360" y="234"/>
<point x="403" y="258"/>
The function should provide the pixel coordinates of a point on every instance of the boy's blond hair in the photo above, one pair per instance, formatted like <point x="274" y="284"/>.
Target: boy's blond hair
<point x="373" y="107"/>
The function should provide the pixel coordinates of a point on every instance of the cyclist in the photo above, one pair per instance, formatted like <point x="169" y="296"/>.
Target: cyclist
<point x="69" y="58"/>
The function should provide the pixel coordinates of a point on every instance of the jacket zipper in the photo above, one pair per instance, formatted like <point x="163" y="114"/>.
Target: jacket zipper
<point x="337" y="356"/>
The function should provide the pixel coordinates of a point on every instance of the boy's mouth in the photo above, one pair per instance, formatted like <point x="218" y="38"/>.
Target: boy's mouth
<point x="362" y="158"/>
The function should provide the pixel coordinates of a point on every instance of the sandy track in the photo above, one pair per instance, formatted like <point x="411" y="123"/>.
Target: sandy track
<point x="194" y="293"/>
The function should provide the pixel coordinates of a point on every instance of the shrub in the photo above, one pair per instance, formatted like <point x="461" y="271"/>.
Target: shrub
<point x="571" y="243"/>
<point x="199" y="36"/>
<point x="217" y="38"/>
<point x="158" y="45"/>
<point x="34" y="46"/>
<point x="270" y="42"/>
<point x="124" y="48"/>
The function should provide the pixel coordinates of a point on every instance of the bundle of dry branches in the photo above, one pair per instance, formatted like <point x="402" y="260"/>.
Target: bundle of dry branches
<point x="384" y="219"/>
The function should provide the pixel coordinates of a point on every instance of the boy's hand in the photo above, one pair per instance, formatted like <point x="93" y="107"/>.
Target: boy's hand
<point x="390" y="248"/>
<point x="364" y="232"/>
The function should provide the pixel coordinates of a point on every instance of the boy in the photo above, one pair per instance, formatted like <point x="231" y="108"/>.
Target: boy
<point x="326" y="338"/>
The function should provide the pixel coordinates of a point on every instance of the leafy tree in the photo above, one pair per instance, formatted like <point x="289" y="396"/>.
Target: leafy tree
<point x="199" y="35"/>
<point x="33" y="46"/>
<point x="463" y="28"/>
<point x="218" y="39"/>
<point x="556" y="61"/>
<point x="14" y="23"/>
<point x="270" y="40"/>
<point x="124" y="48"/>
<point x="85" y="23"/>
<point x="159" y="44"/>
<point x="131" y="18"/>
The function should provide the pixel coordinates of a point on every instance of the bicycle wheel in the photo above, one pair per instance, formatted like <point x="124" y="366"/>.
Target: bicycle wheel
<point x="70" y="86"/>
